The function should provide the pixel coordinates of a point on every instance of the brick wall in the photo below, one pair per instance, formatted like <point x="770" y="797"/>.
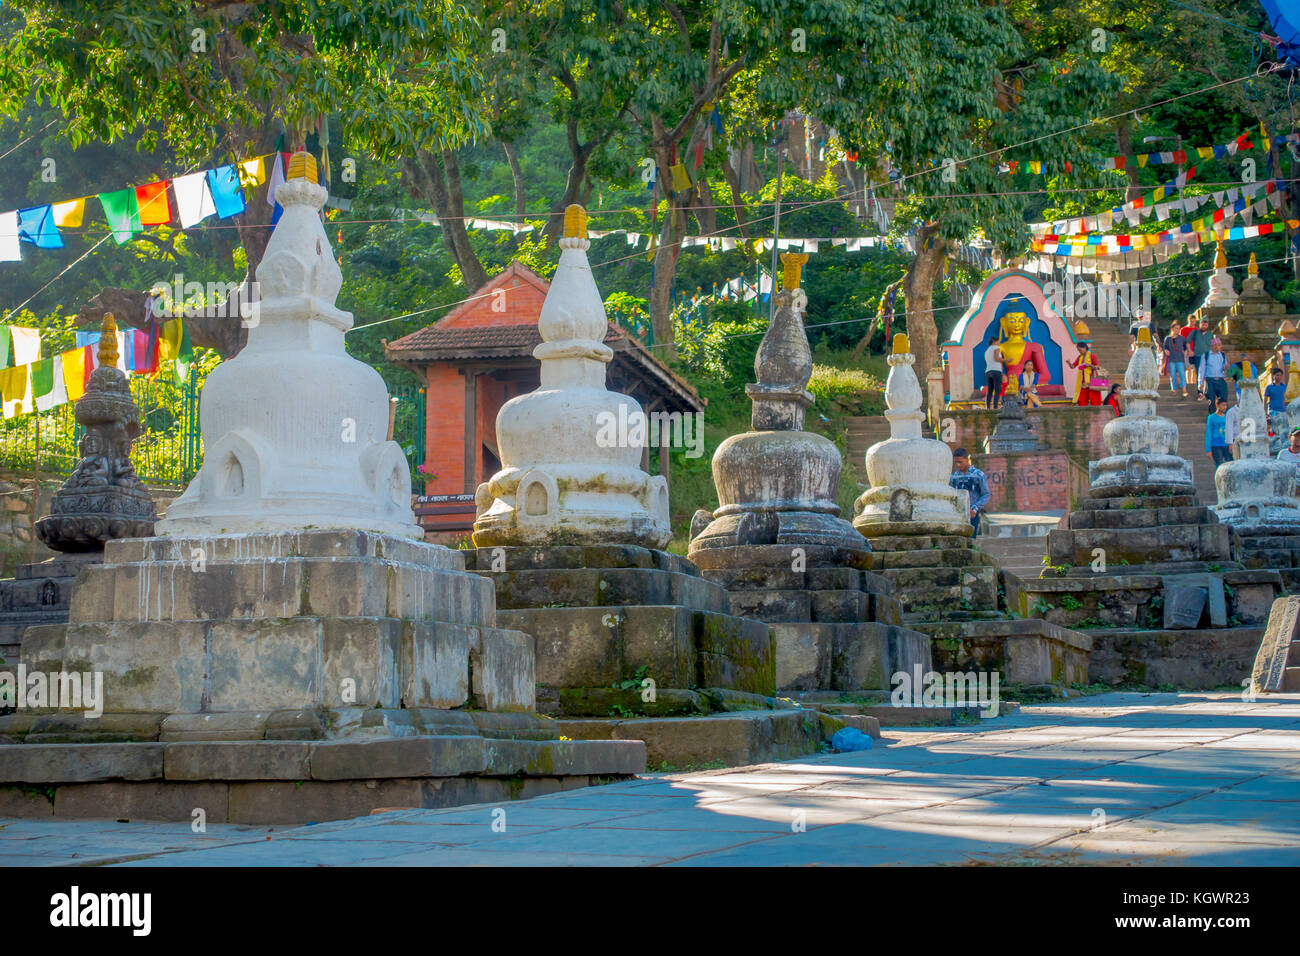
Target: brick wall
<point x="444" y="427"/>
<point x="1033" y="481"/>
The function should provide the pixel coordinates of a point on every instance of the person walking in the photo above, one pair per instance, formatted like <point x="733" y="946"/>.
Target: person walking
<point x="1275" y="394"/>
<point x="1201" y="338"/>
<point x="1086" y="363"/>
<point x="1175" y="349"/>
<point x="1212" y="369"/>
<point x="1216" y="434"/>
<point x="992" y="375"/>
<point x="966" y="477"/>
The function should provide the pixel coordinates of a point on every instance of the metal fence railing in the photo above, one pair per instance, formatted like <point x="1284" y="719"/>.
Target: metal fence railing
<point x="169" y="452"/>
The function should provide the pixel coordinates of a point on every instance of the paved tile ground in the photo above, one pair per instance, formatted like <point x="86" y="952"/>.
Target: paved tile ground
<point x="1128" y="779"/>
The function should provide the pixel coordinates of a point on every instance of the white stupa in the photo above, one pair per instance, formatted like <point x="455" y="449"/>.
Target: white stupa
<point x="1221" y="293"/>
<point x="294" y="428"/>
<point x="571" y="450"/>
<point x="909" y="493"/>
<point x="1256" y="491"/>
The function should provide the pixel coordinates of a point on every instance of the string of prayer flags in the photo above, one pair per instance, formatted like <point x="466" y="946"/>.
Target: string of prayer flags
<point x="36" y="225"/>
<point x="122" y="210"/>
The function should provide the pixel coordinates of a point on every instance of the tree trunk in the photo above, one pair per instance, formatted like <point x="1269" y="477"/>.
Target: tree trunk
<point x="705" y="213"/>
<point x="730" y="174"/>
<point x="1124" y="141"/>
<point x="517" y="175"/>
<point x="918" y="290"/>
<point x="436" y="179"/>
<point x="572" y="193"/>
<point x="665" y="272"/>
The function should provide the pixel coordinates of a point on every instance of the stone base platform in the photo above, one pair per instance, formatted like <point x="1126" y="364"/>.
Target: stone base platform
<point x="251" y="623"/>
<point x="1141" y="529"/>
<point x="1273" y="552"/>
<point x="287" y="781"/>
<point x="1023" y="652"/>
<point x="936" y="575"/>
<point x="38" y="594"/>
<point x="1143" y="599"/>
<point x="600" y="615"/>
<point x="731" y="739"/>
<point x="845" y="657"/>
<point x="1204" y="659"/>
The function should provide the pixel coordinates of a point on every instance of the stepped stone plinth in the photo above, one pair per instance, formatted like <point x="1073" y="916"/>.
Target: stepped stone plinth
<point x="777" y="543"/>
<point x="1257" y="495"/>
<point x="285" y="651"/>
<point x="1013" y="433"/>
<point x="570" y="529"/>
<point x="921" y="541"/>
<point x="1142" y="560"/>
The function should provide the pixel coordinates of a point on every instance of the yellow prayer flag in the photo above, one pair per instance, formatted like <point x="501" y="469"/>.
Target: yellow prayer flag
<point x="68" y="215"/>
<point x="252" y="172"/>
<point x="1142" y="159"/>
<point x="1205" y="152"/>
<point x="1035" y="166"/>
<point x="14" y="389"/>
<point x="74" y="373"/>
<point x="169" y="346"/>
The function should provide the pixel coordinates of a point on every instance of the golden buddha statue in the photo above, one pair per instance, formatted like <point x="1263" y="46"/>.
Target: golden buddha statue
<point x="1018" y="351"/>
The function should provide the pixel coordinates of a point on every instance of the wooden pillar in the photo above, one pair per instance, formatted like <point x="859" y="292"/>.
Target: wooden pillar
<point x="471" y="429"/>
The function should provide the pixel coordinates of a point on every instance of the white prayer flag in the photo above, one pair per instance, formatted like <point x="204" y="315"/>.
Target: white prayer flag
<point x="58" y="395"/>
<point x="10" y="249"/>
<point x="193" y="199"/>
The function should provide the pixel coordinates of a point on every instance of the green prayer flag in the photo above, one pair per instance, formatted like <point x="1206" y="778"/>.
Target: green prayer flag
<point x="43" y="377"/>
<point x="4" y="346"/>
<point x="122" y="211"/>
<point x="185" y="357"/>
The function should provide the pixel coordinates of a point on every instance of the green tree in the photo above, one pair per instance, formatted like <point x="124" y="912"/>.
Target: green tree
<point x="230" y="79"/>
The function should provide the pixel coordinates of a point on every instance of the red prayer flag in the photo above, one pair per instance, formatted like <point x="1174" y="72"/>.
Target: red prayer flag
<point x="91" y="361"/>
<point x="155" y="209"/>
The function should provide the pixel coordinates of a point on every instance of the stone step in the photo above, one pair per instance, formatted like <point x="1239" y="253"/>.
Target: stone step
<point x="605" y="587"/>
<point x="1291" y="680"/>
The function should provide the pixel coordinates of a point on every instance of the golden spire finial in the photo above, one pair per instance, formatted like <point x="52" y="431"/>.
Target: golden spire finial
<point x="1253" y="268"/>
<point x="901" y="344"/>
<point x="108" y="340"/>
<point x="302" y="165"/>
<point x="575" y="222"/>
<point x="1220" y="257"/>
<point x="792" y="266"/>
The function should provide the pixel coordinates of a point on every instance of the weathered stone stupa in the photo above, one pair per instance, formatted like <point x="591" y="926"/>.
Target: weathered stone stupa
<point x="1220" y="296"/>
<point x="1144" y="566"/>
<point x="102" y="499"/>
<point x="921" y="540"/>
<point x="1252" y="324"/>
<point x="1257" y="495"/>
<point x="777" y="542"/>
<point x="286" y="651"/>
<point x="570" y="528"/>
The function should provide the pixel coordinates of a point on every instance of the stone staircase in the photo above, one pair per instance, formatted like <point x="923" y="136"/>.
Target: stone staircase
<point x="1022" y="554"/>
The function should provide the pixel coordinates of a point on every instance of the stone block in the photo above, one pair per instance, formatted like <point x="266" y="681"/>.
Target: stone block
<point x="398" y="757"/>
<point x="107" y="728"/>
<point x="302" y="723"/>
<point x="1202" y="659"/>
<point x="734" y="739"/>
<point x="577" y="556"/>
<point x="772" y="605"/>
<point x="735" y="653"/>
<point x="434" y="666"/>
<point x="803" y="655"/>
<point x="502" y="665"/>
<point x="1183" y="606"/>
<point x="284" y="802"/>
<point x="563" y="758"/>
<point x="257" y="665"/>
<point x="80" y="763"/>
<point x="237" y="760"/>
<point x="244" y="725"/>
<point x="160" y="801"/>
<point x="839" y="606"/>
<point x="609" y="701"/>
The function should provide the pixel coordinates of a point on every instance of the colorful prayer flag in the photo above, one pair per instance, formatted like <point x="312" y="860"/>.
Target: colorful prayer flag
<point x="193" y="199"/>
<point x="122" y="210"/>
<point x="68" y="215"/>
<point x="10" y="249"/>
<point x="227" y="194"/>
<point x="155" y="209"/>
<point x="74" y="373"/>
<point x="36" y="225"/>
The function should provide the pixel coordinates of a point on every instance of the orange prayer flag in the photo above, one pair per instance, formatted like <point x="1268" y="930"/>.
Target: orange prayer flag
<point x="155" y="210"/>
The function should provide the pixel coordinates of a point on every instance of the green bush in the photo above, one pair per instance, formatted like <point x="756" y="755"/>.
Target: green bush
<point x="852" y="391"/>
